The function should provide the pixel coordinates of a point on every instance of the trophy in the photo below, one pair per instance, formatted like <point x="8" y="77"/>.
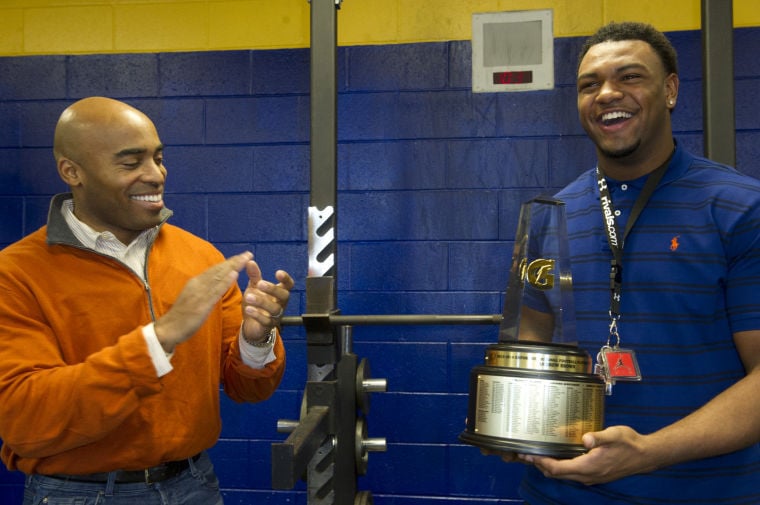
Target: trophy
<point x="536" y="393"/>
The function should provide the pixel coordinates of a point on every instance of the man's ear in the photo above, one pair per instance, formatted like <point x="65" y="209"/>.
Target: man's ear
<point x="69" y="172"/>
<point x="671" y="90"/>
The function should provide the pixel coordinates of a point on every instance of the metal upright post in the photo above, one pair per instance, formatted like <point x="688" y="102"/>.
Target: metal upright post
<point x="328" y="445"/>
<point x="321" y="296"/>
<point x="718" y="81"/>
<point x="324" y="121"/>
<point x="323" y="350"/>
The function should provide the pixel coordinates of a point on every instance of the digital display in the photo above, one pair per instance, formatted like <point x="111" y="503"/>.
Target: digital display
<point x="520" y="77"/>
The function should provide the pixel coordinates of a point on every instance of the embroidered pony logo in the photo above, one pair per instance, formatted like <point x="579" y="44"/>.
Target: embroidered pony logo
<point x="674" y="243"/>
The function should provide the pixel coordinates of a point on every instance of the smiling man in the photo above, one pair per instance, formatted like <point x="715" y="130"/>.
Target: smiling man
<point x="665" y="251"/>
<point x="112" y="159"/>
<point x="117" y="329"/>
<point x="626" y="93"/>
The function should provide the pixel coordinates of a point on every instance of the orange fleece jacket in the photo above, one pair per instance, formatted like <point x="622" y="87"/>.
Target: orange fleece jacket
<point x="78" y="390"/>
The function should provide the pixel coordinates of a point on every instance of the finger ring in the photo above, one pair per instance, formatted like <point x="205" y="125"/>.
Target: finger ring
<point x="279" y="314"/>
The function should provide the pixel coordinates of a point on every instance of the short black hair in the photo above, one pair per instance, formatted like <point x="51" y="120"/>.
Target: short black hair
<point x="615" y="32"/>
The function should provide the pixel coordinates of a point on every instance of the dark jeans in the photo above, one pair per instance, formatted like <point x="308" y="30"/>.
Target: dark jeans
<point x="197" y="485"/>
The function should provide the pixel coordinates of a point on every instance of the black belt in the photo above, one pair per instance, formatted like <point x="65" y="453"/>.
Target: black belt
<point x="158" y="473"/>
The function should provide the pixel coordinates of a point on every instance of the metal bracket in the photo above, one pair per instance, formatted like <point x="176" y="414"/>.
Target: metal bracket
<point x="290" y="458"/>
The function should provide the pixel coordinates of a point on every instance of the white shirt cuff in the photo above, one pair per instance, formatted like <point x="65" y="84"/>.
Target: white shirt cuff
<point x="160" y="358"/>
<point x="255" y="356"/>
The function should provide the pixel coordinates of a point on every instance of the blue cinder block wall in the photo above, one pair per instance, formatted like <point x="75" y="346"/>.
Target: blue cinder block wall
<point x="431" y="178"/>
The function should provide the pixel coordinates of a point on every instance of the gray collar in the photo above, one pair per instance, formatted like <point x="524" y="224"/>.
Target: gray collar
<point x="58" y="232"/>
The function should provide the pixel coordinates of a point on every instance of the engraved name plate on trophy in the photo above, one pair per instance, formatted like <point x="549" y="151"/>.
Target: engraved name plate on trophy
<point x="536" y="393"/>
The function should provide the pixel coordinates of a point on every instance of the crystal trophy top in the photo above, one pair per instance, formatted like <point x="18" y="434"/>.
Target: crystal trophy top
<point x="538" y="304"/>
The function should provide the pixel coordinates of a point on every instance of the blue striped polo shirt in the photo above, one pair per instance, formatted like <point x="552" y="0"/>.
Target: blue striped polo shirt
<point x="691" y="273"/>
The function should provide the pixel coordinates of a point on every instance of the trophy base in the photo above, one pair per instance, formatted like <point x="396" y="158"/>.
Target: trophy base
<point x="554" y="450"/>
<point x="534" y="408"/>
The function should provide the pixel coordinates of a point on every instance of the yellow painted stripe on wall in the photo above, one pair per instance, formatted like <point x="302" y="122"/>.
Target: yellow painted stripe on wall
<point x="31" y="27"/>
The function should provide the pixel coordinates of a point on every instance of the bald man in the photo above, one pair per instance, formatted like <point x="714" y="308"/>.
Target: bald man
<point x="117" y="328"/>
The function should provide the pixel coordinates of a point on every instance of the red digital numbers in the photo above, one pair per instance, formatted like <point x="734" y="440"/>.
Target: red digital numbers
<point x="519" y="77"/>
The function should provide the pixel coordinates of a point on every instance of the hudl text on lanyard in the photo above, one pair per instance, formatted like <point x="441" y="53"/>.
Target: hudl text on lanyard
<point x="613" y="362"/>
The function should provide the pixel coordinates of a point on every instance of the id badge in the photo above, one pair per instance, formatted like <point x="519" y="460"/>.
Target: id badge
<point x="621" y="364"/>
